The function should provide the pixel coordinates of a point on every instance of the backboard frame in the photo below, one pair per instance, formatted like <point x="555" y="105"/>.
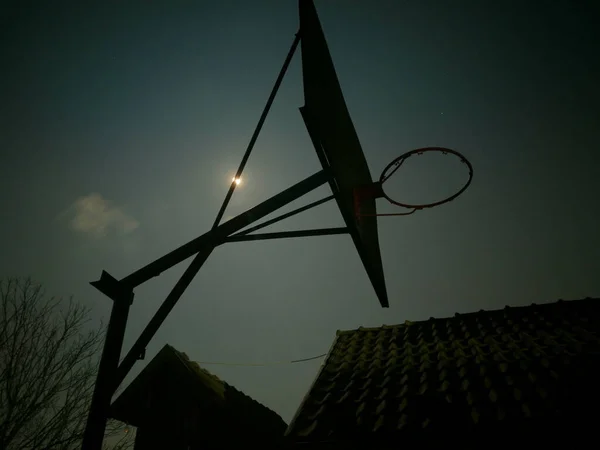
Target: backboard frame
<point x="336" y="143"/>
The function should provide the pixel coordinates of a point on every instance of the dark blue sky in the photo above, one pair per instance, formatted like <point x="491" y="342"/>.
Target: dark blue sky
<point x="122" y="124"/>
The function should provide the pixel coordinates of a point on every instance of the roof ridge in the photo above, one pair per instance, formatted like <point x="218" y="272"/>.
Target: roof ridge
<point x="209" y="379"/>
<point x="202" y="372"/>
<point x="456" y="315"/>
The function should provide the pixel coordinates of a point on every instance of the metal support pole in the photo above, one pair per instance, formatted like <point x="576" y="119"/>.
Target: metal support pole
<point x="110" y="373"/>
<point x="287" y="234"/>
<point x="103" y="391"/>
<point x="259" y="126"/>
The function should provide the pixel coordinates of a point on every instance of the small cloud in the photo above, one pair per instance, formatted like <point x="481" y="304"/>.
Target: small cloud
<point x="95" y="215"/>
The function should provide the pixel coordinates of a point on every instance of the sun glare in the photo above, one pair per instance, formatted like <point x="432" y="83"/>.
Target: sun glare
<point x="237" y="181"/>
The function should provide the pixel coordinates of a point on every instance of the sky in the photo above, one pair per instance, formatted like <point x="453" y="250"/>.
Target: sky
<point x="122" y="124"/>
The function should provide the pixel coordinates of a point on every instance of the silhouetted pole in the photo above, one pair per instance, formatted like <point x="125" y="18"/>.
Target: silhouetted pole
<point x="104" y="389"/>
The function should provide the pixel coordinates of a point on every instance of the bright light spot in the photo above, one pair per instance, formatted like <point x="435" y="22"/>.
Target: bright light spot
<point x="236" y="180"/>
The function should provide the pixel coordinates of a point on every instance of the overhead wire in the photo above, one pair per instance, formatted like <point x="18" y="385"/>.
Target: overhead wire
<point x="274" y="363"/>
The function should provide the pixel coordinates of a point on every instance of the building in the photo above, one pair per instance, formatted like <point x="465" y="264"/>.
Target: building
<point x="521" y="375"/>
<point x="177" y="405"/>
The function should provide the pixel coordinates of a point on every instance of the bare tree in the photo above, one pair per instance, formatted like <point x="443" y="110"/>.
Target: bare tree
<point x="48" y="364"/>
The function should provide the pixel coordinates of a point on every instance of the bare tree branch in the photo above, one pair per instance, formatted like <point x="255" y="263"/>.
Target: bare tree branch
<point x="48" y="365"/>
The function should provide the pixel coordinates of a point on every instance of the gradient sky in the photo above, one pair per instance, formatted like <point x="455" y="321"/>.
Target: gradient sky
<point x="122" y="124"/>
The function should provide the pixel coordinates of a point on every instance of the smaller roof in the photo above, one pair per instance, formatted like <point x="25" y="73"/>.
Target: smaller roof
<point x="489" y="370"/>
<point x="171" y="373"/>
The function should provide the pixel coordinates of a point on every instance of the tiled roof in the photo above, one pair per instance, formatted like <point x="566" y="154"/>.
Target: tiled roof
<point x="470" y="372"/>
<point x="209" y="380"/>
<point x="173" y="374"/>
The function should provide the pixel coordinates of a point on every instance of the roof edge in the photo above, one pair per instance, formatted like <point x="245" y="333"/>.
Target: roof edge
<point x="299" y="409"/>
<point x="469" y="314"/>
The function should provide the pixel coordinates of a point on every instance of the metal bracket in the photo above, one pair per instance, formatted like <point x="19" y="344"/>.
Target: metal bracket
<point x="112" y="288"/>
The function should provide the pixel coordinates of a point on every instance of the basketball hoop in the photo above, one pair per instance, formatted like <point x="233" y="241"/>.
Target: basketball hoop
<point x="376" y="190"/>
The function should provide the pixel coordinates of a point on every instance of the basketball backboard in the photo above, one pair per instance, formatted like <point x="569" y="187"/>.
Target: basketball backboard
<point x="335" y="140"/>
